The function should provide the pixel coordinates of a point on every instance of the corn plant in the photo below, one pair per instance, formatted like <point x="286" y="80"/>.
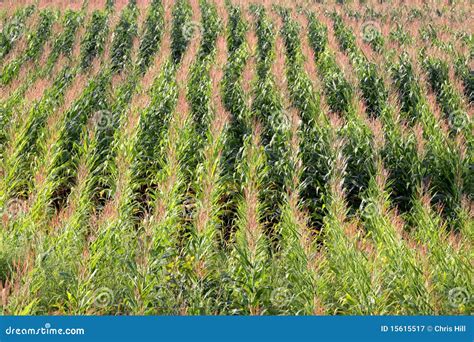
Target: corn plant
<point x="152" y="35"/>
<point x="89" y="194"/>
<point x="26" y="146"/>
<point x="403" y="281"/>
<point x="14" y="29"/>
<point x="161" y="236"/>
<point x="408" y="88"/>
<point x="202" y="203"/>
<point x="64" y="44"/>
<point x="399" y="35"/>
<point x="93" y="41"/>
<point x="62" y="170"/>
<point x="403" y="160"/>
<point x="199" y="92"/>
<point x="295" y="287"/>
<point x="349" y="282"/>
<point x="337" y="89"/>
<point x="371" y="84"/>
<point x="444" y="163"/>
<point x="211" y="24"/>
<point x="182" y="29"/>
<point x="35" y="43"/>
<point x="268" y="108"/>
<point x="124" y="33"/>
<point x="234" y="100"/>
<point x="12" y="103"/>
<point x="103" y="167"/>
<point x="467" y="77"/>
<point x="340" y="98"/>
<point x="97" y="188"/>
<point x="249" y="260"/>
<point x="318" y="35"/>
<point x="153" y="125"/>
<point x="148" y="142"/>
<point x="450" y="101"/>
<point x="313" y="128"/>
<point x="451" y="265"/>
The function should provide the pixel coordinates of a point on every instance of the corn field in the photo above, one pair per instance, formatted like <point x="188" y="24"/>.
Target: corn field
<point x="208" y="157"/>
